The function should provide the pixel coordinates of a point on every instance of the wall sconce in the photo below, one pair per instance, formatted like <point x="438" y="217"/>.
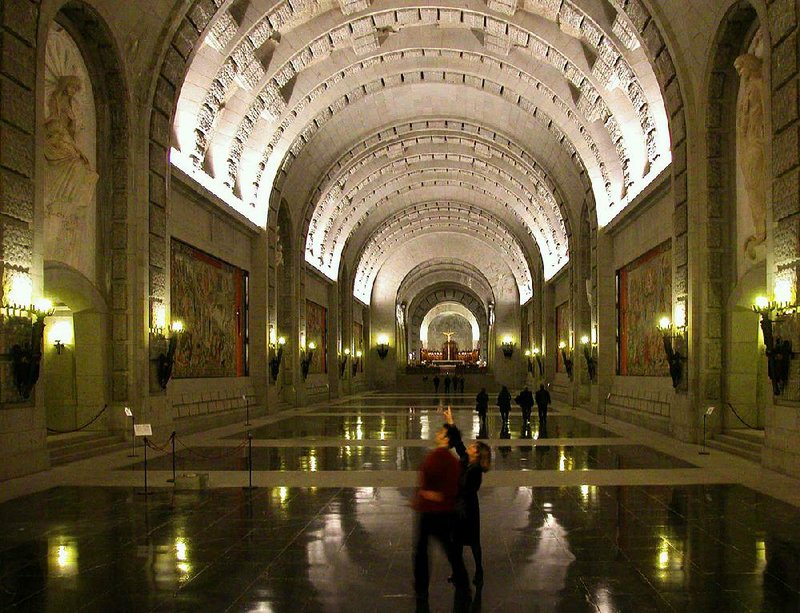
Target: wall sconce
<point x="275" y="361"/>
<point x="343" y="362"/>
<point x="383" y="346"/>
<point x="779" y="352"/>
<point x="26" y="359"/>
<point x="591" y="362"/>
<point x="305" y="362"/>
<point x="356" y="362"/>
<point x="674" y="357"/>
<point x="507" y="346"/>
<point x="167" y="360"/>
<point x="567" y="359"/>
<point x="537" y="355"/>
<point x="159" y="321"/>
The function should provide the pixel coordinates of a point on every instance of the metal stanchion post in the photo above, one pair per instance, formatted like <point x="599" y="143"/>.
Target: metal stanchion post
<point x="145" y="466"/>
<point x="133" y="437"/>
<point x="247" y="409"/>
<point x="172" y="438"/>
<point x="709" y="411"/>
<point x="250" y="458"/>
<point x="704" y="451"/>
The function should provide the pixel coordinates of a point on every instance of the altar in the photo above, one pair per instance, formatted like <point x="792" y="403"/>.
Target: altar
<point x="449" y="355"/>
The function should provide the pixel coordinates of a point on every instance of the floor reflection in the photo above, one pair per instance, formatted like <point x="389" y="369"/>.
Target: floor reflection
<point x="358" y="457"/>
<point x="417" y="425"/>
<point x="688" y="548"/>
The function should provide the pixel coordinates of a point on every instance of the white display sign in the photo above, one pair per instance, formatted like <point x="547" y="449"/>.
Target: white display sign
<point x="128" y="412"/>
<point x="710" y="411"/>
<point x="143" y="430"/>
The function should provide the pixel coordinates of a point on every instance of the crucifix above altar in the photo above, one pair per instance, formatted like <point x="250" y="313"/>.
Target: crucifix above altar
<point x="450" y="347"/>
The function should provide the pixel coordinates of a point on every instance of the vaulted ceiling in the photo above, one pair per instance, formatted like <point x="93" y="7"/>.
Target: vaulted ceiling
<point x="491" y="122"/>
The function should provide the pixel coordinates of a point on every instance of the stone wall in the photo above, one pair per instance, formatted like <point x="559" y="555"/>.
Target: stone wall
<point x="22" y="424"/>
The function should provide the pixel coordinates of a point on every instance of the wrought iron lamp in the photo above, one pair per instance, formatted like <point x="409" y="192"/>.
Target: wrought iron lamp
<point x="305" y="361"/>
<point x="26" y="359"/>
<point x="507" y="346"/>
<point x="675" y="358"/>
<point x="779" y="352"/>
<point x="343" y="362"/>
<point x="382" y="346"/>
<point x="537" y="355"/>
<point x="167" y="360"/>
<point x="566" y="358"/>
<point x="588" y="353"/>
<point x="275" y="362"/>
<point x="356" y="362"/>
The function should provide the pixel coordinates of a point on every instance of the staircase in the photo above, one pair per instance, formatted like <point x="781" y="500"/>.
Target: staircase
<point x="744" y="443"/>
<point x="66" y="448"/>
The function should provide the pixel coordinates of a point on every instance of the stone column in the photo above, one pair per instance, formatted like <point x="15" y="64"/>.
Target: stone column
<point x="606" y="304"/>
<point x="23" y="425"/>
<point x="258" y="320"/>
<point x="334" y="334"/>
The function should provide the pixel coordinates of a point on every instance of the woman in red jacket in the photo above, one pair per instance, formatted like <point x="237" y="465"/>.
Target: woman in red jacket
<point x="436" y="502"/>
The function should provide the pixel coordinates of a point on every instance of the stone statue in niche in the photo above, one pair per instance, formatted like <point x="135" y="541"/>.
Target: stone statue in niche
<point x="70" y="180"/>
<point x="751" y="134"/>
<point x="400" y="314"/>
<point x="278" y="248"/>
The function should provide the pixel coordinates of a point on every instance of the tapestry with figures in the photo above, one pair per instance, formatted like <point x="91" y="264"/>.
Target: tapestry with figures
<point x="317" y="333"/>
<point x="645" y="295"/>
<point x="210" y="297"/>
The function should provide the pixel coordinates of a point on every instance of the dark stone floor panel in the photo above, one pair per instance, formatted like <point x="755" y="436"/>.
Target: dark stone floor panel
<point x="593" y="548"/>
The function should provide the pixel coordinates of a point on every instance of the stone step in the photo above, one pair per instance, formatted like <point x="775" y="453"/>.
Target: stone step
<point x="748" y="444"/>
<point x="735" y="449"/>
<point x="79" y="448"/>
<point x="746" y="434"/>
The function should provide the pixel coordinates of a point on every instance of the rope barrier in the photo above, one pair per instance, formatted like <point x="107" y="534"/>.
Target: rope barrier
<point x="83" y="427"/>
<point x="220" y="456"/>
<point x="162" y="448"/>
<point x="740" y="419"/>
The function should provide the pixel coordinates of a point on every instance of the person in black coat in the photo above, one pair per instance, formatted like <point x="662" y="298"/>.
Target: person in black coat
<point x="447" y="384"/>
<point x="525" y="401"/>
<point x="436" y="384"/>
<point x="542" y="402"/>
<point x="475" y="460"/>
<point x="482" y="407"/>
<point x="504" y="404"/>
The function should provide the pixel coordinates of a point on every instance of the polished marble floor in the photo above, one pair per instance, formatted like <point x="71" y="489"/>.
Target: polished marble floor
<point x="601" y="517"/>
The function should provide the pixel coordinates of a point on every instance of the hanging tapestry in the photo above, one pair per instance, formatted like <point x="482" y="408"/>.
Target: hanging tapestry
<point x="210" y="297"/>
<point x="645" y="295"/>
<point x="317" y="333"/>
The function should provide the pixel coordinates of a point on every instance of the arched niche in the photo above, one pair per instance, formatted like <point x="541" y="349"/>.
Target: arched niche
<point x="450" y="316"/>
<point x="445" y="297"/>
<point x="83" y="230"/>
<point x="285" y="301"/>
<point x="736" y="250"/>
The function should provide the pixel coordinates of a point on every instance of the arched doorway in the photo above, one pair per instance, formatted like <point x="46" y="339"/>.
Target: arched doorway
<point x="75" y="358"/>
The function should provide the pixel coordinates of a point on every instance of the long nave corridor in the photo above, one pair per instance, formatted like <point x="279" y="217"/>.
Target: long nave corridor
<point x="592" y="515"/>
